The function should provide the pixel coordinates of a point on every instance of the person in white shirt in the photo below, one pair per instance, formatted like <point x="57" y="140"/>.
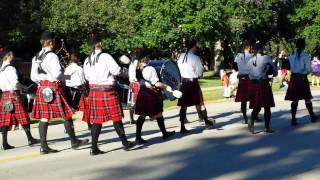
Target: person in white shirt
<point x="260" y="92"/>
<point x="12" y="110"/>
<point x="50" y="101"/>
<point x="150" y="99"/>
<point x="134" y="84"/>
<point x="191" y="69"/>
<point x="299" y="88"/>
<point x="100" y="70"/>
<point x="75" y="81"/>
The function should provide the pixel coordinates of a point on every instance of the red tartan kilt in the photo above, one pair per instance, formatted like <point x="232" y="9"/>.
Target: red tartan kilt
<point x="191" y="94"/>
<point x="135" y="87"/>
<point x="260" y="94"/>
<point x="19" y="114"/>
<point x="242" y="91"/>
<point x="149" y="102"/>
<point x="298" y="89"/>
<point x="102" y="106"/>
<point x="83" y="106"/>
<point x="58" y="108"/>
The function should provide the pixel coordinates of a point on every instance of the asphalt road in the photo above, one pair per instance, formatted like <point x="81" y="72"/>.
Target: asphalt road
<point x="226" y="152"/>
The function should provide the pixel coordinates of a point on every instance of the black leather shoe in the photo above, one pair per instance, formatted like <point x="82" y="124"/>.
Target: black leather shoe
<point x="313" y="118"/>
<point x="251" y="127"/>
<point x="47" y="150"/>
<point x="245" y="120"/>
<point x="133" y="122"/>
<point x="140" y="141"/>
<point x="168" y="134"/>
<point x="79" y="143"/>
<point x="268" y="131"/>
<point x="294" y="122"/>
<point x="7" y="147"/>
<point x="129" y="145"/>
<point x="184" y="131"/>
<point x="94" y="152"/>
<point x="33" y="142"/>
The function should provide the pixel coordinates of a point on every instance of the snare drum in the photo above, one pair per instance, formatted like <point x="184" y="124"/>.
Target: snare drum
<point x="125" y="94"/>
<point x="168" y="73"/>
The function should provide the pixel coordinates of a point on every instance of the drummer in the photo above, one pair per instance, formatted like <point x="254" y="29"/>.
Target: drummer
<point x="149" y="100"/>
<point x="11" y="106"/>
<point x="191" y="69"/>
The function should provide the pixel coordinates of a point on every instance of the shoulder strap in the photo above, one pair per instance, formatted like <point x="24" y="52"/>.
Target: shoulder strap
<point x="4" y="67"/>
<point x="41" y="58"/>
<point x="95" y="60"/>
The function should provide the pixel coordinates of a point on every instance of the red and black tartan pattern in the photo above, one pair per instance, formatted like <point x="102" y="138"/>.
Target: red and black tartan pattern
<point x="58" y="108"/>
<point x="102" y="106"/>
<point x="83" y="106"/>
<point x="19" y="114"/>
<point x="260" y="94"/>
<point x="242" y="91"/>
<point x="191" y="94"/>
<point x="135" y="87"/>
<point x="299" y="88"/>
<point x="149" y="102"/>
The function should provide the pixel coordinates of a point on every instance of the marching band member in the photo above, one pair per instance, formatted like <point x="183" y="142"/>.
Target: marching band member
<point x="191" y="69"/>
<point x="260" y="92"/>
<point x="75" y="80"/>
<point x="150" y="99"/>
<point x="299" y="88"/>
<point x="50" y="101"/>
<point x="134" y="84"/>
<point x="11" y="106"/>
<point x="243" y="70"/>
<point x="103" y="104"/>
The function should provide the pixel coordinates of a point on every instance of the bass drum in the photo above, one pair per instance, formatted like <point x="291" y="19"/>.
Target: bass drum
<point x="168" y="73"/>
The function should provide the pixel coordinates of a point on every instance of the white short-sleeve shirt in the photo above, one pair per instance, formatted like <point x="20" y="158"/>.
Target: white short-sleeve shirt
<point x="8" y="78"/>
<point x="150" y="76"/>
<point x="76" y="75"/>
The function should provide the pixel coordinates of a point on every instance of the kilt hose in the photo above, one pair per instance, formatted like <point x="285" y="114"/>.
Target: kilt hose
<point x="18" y="115"/>
<point x="191" y="93"/>
<point x="149" y="102"/>
<point x="58" y="108"/>
<point x="135" y="87"/>
<point x="242" y="92"/>
<point x="299" y="88"/>
<point x="102" y="105"/>
<point x="260" y="94"/>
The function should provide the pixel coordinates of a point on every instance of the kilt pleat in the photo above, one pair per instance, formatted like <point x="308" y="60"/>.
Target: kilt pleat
<point x="260" y="94"/>
<point x="102" y="106"/>
<point x="135" y="87"/>
<point x="58" y="108"/>
<point x="191" y="94"/>
<point x="298" y="88"/>
<point x="242" y="91"/>
<point x="18" y="115"/>
<point x="83" y="106"/>
<point x="149" y="102"/>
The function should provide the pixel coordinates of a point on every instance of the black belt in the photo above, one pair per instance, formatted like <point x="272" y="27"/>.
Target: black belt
<point x="299" y="74"/>
<point x="243" y="76"/>
<point x="13" y="91"/>
<point x="189" y="79"/>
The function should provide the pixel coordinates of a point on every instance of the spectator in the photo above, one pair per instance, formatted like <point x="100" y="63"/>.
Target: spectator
<point x="233" y="84"/>
<point x="315" y="71"/>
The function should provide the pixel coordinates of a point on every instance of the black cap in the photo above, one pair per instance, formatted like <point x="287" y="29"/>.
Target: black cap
<point x="95" y="39"/>
<point x="47" y="36"/>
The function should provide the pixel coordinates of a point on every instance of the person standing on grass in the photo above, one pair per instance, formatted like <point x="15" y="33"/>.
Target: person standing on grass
<point x="191" y="69"/>
<point x="11" y="106"/>
<point x="100" y="70"/>
<point x="299" y="88"/>
<point x="50" y="101"/>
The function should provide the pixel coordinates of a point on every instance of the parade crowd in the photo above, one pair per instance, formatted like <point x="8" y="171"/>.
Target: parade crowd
<point x="92" y="89"/>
